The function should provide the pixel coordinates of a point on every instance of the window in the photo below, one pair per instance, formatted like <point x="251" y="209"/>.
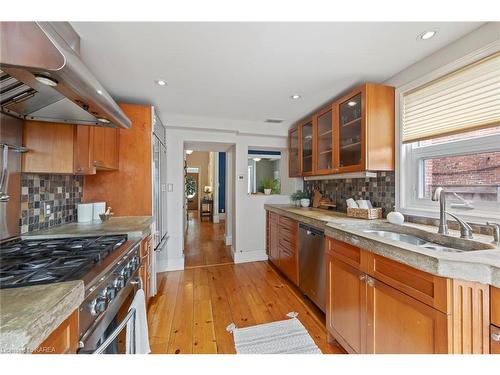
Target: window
<point x="264" y="171"/>
<point x="450" y="129"/>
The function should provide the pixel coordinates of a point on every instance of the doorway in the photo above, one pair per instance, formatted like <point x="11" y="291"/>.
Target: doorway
<point x="206" y="196"/>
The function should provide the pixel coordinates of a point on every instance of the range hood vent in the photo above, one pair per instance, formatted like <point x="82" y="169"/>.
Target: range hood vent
<point x="42" y="77"/>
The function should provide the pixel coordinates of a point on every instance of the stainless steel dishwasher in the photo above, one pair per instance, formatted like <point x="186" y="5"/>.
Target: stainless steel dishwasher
<point x="311" y="264"/>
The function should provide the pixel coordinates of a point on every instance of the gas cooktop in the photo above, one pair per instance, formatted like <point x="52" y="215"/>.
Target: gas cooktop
<point x="34" y="262"/>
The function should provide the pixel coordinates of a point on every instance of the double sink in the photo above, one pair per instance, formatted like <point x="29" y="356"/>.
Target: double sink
<point x="427" y="240"/>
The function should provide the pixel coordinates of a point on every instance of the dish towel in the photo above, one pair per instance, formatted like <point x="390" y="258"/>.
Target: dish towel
<point x="140" y="323"/>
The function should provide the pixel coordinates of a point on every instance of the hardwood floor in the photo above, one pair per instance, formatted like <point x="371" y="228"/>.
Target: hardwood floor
<point x="193" y="307"/>
<point x="205" y="243"/>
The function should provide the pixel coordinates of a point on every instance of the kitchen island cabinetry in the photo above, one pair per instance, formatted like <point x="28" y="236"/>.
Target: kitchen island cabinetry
<point x="63" y="340"/>
<point x="495" y="320"/>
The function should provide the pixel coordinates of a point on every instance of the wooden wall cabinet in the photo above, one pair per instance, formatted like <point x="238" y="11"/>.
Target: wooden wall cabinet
<point x="306" y="148"/>
<point x="64" y="340"/>
<point x="355" y="133"/>
<point x="106" y="144"/>
<point x="282" y="245"/>
<point x="128" y="189"/>
<point x="294" y="159"/>
<point x="377" y="305"/>
<point x="68" y="149"/>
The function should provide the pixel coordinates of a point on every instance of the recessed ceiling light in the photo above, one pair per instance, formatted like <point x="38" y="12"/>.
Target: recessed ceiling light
<point x="99" y="92"/>
<point x="161" y="82"/>
<point x="295" y="96"/>
<point x="103" y="120"/>
<point x="351" y="103"/>
<point x="46" y="80"/>
<point x="189" y="152"/>
<point x="427" y="34"/>
<point x="256" y="159"/>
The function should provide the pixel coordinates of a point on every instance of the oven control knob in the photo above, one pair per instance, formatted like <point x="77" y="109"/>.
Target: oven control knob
<point x="99" y="305"/>
<point x="110" y="292"/>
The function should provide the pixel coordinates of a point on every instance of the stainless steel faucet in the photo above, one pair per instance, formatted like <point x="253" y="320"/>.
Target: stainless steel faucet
<point x="465" y="229"/>
<point x="496" y="232"/>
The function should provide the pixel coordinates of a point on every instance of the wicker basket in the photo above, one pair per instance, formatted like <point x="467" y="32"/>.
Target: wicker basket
<point x="365" y="213"/>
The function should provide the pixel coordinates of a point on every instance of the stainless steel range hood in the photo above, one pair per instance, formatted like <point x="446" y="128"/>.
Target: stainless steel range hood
<point x="43" y="78"/>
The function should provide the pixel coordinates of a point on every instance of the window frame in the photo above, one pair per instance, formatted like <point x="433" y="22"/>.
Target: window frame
<point x="409" y="166"/>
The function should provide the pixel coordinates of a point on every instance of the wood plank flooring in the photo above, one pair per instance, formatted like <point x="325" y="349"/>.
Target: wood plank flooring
<point x="205" y="243"/>
<point x="193" y="307"/>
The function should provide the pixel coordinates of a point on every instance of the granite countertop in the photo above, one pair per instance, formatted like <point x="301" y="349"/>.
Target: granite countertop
<point x="133" y="226"/>
<point x="30" y="314"/>
<point x="471" y="265"/>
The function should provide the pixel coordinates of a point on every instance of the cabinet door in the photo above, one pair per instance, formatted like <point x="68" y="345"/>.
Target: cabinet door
<point x="64" y="340"/>
<point x="494" y="339"/>
<point x="306" y="142"/>
<point x="111" y="148"/>
<point x="84" y="150"/>
<point x="345" y="304"/>
<point x="99" y="146"/>
<point x="106" y="148"/>
<point x="273" y="240"/>
<point x="294" y="168"/>
<point x="400" y="324"/>
<point x="351" y="132"/>
<point x="325" y="160"/>
<point x="288" y="263"/>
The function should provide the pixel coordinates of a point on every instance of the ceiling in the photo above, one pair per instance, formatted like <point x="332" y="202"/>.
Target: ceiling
<point x="246" y="72"/>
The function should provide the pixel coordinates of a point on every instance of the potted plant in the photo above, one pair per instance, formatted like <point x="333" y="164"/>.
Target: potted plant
<point x="268" y="185"/>
<point x="300" y="198"/>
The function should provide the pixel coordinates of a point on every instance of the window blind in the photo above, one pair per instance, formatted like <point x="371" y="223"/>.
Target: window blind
<point x="466" y="99"/>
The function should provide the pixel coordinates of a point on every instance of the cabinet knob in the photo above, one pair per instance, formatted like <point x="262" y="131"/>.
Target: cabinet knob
<point x="370" y="281"/>
<point x="495" y="337"/>
<point x="362" y="277"/>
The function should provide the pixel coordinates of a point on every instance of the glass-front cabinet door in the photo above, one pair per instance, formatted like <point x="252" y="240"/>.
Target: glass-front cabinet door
<point x="307" y="147"/>
<point x="351" y="133"/>
<point x="294" y="152"/>
<point x="326" y="160"/>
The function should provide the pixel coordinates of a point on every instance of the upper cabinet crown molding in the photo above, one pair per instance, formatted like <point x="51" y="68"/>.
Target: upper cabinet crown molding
<point x="355" y="133"/>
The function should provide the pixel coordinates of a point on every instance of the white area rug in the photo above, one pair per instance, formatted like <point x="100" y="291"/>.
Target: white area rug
<point x="282" y="337"/>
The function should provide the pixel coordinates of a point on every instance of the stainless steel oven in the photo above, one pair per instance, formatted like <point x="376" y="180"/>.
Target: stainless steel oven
<point x="105" y="312"/>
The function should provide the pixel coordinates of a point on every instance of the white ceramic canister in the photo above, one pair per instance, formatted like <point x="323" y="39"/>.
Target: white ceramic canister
<point x="305" y="202"/>
<point x="85" y="212"/>
<point x="395" y="217"/>
<point x="99" y="208"/>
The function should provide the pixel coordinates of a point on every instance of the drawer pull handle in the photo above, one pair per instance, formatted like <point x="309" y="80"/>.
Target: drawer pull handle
<point x="495" y="337"/>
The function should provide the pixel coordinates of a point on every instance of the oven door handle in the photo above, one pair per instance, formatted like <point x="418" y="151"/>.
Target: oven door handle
<point x="117" y="331"/>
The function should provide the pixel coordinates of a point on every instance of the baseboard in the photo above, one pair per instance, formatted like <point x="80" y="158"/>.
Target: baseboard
<point x="229" y="240"/>
<point x="249" y="256"/>
<point x="176" y="264"/>
<point x="215" y="219"/>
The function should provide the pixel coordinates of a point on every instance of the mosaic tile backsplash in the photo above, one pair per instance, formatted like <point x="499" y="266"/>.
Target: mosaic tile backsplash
<point x="379" y="190"/>
<point x="61" y="192"/>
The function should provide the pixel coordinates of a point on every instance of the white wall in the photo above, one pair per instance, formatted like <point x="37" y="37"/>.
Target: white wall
<point x="246" y="215"/>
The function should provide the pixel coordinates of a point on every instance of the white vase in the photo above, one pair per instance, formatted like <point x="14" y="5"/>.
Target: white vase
<point x="268" y="191"/>
<point x="305" y="202"/>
